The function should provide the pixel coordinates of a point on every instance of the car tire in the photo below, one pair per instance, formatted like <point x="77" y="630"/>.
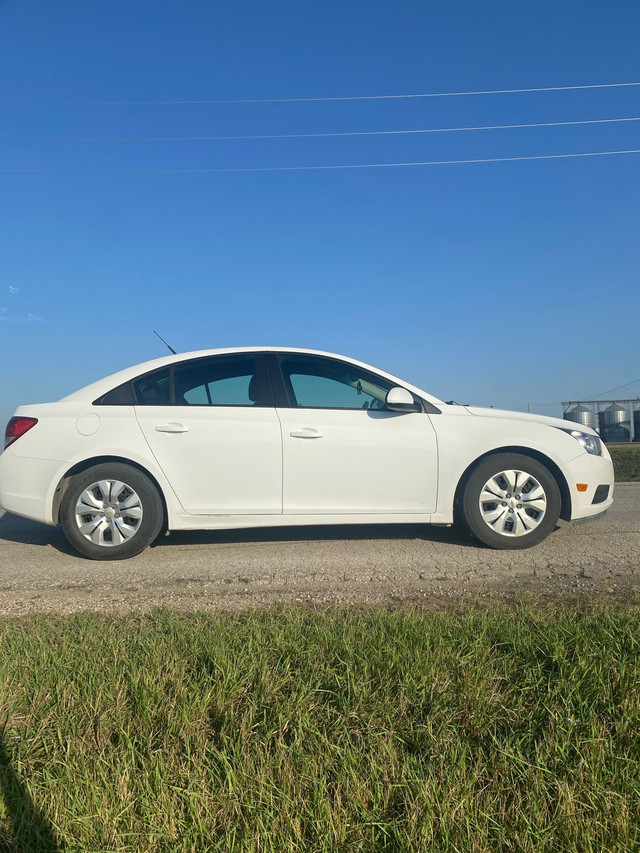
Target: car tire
<point x="510" y="501"/>
<point x="111" y="511"/>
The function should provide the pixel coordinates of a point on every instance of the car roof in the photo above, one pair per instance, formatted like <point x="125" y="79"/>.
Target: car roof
<point x="101" y="386"/>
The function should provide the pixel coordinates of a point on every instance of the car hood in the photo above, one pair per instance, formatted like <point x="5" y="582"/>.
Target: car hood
<point x="523" y="416"/>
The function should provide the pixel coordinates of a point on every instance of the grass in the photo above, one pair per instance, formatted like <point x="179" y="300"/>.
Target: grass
<point x="505" y="729"/>
<point x="626" y="461"/>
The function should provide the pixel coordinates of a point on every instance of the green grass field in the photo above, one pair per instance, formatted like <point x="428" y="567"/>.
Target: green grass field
<point x="506" y="729"/>
<point x="626" y="461"/>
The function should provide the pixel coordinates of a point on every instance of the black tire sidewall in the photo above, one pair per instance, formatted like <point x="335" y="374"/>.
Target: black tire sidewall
<point x="152" y="511"/>
<point x="470" y="508"/>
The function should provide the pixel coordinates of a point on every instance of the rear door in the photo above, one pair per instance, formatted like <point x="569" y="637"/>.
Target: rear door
<point x="212" y="427"/>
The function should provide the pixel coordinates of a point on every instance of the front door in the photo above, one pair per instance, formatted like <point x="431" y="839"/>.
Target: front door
<point x="343" y="453"/>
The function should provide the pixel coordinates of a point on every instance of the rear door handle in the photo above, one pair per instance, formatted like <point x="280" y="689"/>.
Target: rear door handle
<point x="173" y="427"/>
<point x="308" y="432"/>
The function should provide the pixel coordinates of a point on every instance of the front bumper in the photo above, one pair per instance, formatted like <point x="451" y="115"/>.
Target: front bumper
<point x="589" y="518"/>
<point x="594" y="472"/>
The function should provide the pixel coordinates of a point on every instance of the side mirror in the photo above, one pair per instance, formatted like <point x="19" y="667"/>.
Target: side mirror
<point x="400" y="400"/>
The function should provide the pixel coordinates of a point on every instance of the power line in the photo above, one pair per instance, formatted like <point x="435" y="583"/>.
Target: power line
<point x="317" y="135"/>
<point x="618" y="388"/>
<point x="205" y="101"/>
<point x="315" y="168"/>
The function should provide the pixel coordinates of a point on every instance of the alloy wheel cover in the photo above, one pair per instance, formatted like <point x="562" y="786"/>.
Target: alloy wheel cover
<point x="108" y="513"/>
<point x="512" y="503"/>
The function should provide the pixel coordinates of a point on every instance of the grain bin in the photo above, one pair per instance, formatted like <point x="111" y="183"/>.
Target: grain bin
<point x="581" y="415"/>
<point x="615" y="424"/>
<point x="636" y="425"/>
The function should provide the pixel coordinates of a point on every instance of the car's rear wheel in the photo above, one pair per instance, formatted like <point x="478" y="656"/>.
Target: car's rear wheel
<point x="111" y="511"/>
<point x="510" y="501"/>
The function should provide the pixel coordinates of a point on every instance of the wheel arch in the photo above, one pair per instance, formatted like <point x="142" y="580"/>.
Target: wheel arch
<point x="98" y="460"/>
<point x="563" y="486"/>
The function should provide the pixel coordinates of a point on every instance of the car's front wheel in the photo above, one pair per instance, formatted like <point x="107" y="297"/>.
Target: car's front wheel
<point x="510" y="501"/>
<point x="111" y="511"/>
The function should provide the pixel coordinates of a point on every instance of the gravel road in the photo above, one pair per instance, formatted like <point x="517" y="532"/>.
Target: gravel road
<point x="363" y="564"/>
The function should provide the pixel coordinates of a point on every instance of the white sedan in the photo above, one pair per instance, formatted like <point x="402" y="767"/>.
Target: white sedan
<point x="269" y="436"/>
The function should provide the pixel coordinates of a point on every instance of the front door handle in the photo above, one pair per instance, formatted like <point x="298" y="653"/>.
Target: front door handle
<point x="308" y="432"/>
<point x="173" y="427"/>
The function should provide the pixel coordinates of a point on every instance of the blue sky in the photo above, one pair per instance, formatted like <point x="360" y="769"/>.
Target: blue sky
<point x="492" y="283"/>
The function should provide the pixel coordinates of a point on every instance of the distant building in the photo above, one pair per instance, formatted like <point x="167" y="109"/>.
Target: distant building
<point x="615" y="420"/>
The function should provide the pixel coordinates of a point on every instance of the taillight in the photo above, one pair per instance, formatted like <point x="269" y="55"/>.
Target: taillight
<point x="17" y="427"/>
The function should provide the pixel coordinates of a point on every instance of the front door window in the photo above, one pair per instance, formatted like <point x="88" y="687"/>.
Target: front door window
<point x="324" y="383"/>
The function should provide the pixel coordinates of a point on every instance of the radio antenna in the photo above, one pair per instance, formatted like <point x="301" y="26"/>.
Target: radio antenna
<point x="164" y="342"/>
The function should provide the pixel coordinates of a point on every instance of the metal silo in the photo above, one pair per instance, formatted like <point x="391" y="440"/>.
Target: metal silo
<point x="581" y="415"/>
<point x="615" y="424"/>
<point x="636" y="425"/>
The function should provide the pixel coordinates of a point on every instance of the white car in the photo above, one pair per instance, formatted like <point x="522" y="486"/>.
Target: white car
<point x="266" y="436"/>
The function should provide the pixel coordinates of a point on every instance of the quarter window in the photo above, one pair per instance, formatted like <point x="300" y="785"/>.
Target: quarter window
<point x="154" y="389"/>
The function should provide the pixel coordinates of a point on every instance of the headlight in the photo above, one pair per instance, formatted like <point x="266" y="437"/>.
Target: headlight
<point x="591" y="443"/>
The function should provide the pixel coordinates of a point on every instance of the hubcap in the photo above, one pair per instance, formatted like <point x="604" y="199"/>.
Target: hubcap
<point x="108" y="513"/>
<point x="512" y="503"/>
